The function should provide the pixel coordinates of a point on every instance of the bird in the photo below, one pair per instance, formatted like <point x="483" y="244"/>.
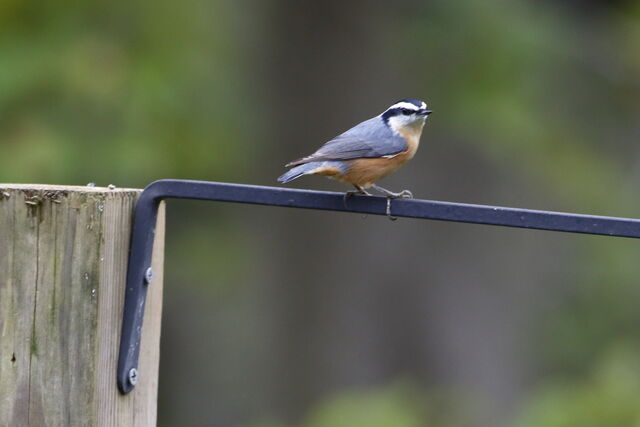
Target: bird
<point x="369" y="151"/>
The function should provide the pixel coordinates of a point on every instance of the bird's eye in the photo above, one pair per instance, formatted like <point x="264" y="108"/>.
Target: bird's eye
<point x="406" y="111"/>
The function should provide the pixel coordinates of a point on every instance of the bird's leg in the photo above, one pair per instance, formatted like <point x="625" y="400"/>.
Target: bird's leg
<point x="358" y="190"/>
<point x="404" y="194"/>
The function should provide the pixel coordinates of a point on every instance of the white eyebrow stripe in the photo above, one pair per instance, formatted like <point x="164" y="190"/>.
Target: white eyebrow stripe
<point x="407" y="105"/>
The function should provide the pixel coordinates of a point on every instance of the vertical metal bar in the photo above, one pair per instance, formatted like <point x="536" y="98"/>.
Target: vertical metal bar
<point x="144" y="225"/>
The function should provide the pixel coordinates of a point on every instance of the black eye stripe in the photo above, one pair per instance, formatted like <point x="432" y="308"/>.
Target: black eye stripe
<point x="397" y="111"/>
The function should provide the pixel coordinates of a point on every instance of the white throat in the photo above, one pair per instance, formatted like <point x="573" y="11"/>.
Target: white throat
<point x="401" y="124"/>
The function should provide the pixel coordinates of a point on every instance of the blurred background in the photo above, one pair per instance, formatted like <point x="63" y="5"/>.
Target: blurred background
<point x="280" y="318"/>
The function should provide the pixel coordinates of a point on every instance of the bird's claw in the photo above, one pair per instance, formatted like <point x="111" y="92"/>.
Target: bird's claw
<point x="404" y="194"/>
<point x="392" y="218"/>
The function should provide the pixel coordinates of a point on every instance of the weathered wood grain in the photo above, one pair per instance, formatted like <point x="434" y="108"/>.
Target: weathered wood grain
<point x="63" y="260"/>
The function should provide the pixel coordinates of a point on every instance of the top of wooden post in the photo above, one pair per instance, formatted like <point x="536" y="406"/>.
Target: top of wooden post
<point x="74" y="188"/>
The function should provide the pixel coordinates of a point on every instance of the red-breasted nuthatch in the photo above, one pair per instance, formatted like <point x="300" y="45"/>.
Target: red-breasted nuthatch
<point x="369" y="151"/>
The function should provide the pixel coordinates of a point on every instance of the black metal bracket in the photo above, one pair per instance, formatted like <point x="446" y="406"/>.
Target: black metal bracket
<point x="139" y="273"/>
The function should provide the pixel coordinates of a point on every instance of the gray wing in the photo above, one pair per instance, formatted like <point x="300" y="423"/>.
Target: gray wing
<point x="371" y="138"/>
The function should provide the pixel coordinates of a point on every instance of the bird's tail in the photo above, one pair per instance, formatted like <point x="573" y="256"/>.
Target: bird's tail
<point x="298" y="171"/>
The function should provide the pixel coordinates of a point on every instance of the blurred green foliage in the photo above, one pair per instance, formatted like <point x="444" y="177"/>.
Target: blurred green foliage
<point x="376" y="409"/>
<point x="545" y="89"/>
<point x="400" y="404"/>
<point x="607" y="396"/>
<point x="107" y="92"/>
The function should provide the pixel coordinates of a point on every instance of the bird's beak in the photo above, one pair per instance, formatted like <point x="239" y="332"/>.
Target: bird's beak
<point x="425" y="112"/>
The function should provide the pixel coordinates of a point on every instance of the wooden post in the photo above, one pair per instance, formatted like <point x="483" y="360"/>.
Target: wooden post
<point x="63" y="261"/>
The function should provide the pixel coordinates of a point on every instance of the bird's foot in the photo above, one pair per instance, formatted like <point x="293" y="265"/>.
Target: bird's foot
<point x="404" y="194"/>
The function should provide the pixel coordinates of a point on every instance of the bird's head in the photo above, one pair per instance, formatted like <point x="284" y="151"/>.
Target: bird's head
<point x="407" y="112"/>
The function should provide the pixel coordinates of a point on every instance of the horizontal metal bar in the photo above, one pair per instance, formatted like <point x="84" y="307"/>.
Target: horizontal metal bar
<point x="411" y="208"/>
<point x="147" y="209"/>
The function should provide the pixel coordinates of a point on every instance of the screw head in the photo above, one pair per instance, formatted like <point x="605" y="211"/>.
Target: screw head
<point x="133" y="376"/>
<point x="148" y="275"/>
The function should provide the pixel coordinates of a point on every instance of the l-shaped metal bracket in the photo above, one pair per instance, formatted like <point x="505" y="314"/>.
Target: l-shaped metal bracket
<point x="139" y="272"/>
